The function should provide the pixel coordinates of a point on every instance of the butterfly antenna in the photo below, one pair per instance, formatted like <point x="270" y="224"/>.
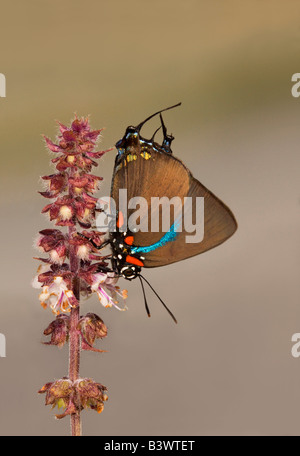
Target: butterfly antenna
<point x="145" y="299"/>
<point x="167" y="309"/>
<point x="155" y="114"/>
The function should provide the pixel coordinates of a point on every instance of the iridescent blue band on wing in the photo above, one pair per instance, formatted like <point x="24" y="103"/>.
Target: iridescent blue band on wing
<point x="168" y="237"/>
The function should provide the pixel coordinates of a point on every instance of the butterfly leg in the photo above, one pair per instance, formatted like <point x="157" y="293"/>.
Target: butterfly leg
<point x="98" y="247"/>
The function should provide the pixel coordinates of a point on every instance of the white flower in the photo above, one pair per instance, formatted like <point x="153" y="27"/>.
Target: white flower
<point x="58" y="297"/>
<point x="104" y="284"/>
<point x="83" y="251"/>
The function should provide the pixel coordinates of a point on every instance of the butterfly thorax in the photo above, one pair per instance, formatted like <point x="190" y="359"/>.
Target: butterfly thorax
<point x="127" y="264"/>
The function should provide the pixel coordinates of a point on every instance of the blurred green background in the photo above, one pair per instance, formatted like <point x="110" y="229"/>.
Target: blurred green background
<point x="226" y="368"/>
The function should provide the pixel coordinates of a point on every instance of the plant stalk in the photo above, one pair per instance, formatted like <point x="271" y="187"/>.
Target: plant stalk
<point x="74" y="337"/>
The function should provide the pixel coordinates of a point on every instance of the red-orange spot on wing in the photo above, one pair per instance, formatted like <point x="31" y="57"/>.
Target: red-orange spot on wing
<point x="120" y="221"/>
<point x="132" y="260"/>
<point x="129" y="240"/>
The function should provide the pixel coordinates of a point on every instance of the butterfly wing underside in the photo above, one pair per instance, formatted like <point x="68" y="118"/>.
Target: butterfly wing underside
<point x="163" y="175"/>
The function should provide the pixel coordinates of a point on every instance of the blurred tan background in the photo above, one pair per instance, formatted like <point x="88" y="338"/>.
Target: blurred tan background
<point x="226" y="368"/>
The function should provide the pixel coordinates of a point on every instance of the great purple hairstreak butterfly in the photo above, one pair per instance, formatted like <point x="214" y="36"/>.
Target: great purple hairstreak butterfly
<point x="148" y="169"/>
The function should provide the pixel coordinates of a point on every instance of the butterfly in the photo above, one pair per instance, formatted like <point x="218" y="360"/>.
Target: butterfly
<point x="147" y="170"/>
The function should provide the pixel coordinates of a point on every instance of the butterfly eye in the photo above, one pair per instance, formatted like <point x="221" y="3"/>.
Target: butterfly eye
<point x="129" y="272"/>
